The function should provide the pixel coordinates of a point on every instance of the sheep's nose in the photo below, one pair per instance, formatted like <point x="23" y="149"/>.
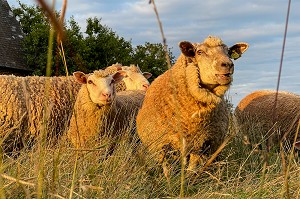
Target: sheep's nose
<point x="227" y="64"/>
<point x="106" y="95"/>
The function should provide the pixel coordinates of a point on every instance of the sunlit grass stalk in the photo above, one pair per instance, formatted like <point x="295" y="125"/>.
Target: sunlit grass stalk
<point x="62" y="54"/>
<point x="2" y="191"/>
<point x="74" y="175"/>
<point x="162" y="34"/>
<point x="50" y="52"/>
<point x="183" y="164"/>
<point x="217" y="152"/>
<point x="22" y="182"/>
<point x="43" y="135"/>
<point x="284" y="168"/>
<point x="55" y="172"/>
<point x="291" y="155"/>
<point x="262" y="178"/>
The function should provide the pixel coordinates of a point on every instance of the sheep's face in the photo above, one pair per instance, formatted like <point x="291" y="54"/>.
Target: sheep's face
<point x="213" y="59"/>
<point x="101" y="89"/>
<point x="136" y="80"/>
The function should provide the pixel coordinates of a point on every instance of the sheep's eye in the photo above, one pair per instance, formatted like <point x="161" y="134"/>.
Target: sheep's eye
<point x="200" y="52"/>
<point x="112" y="81"/>
<point x="90" y="82"/>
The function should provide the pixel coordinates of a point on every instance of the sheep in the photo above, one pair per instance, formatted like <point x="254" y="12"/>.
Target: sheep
<point x="99" y="108"/>
<point x="255" y="113"/>
<point x="23" y="101"/>
<point x="28" y="104"/>
<point x="185" y="104"/>
<point x="135" y="79"/>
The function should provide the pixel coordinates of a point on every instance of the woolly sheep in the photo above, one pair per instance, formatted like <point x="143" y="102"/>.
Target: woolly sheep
<point x="23" y="99"/>
<point x="24" y="102"/>
<point x="255" y="113"/>
<point x="134" y="79"/>
<point x="98" y="107"/>
<point x="186" y="102"/>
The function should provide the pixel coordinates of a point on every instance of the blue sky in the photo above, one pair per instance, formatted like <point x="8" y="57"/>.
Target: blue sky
<point x="260" y="23"/>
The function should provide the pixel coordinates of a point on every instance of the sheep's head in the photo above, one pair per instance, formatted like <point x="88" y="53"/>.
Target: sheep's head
<point x="100" y="85"/>
<point x="213" y="59"/>
<point x="135" y="79"/>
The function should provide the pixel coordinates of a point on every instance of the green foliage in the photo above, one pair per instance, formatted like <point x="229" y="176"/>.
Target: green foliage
<point x="36" y="29"/>
<point x="73" y="47"/>
<point x="104" y="47"/>
<point x="99" y="47"/>
<point x="152" y="58"/>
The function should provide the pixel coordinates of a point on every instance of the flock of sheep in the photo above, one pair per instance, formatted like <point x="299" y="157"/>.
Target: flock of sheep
<point x="182" y="110"/>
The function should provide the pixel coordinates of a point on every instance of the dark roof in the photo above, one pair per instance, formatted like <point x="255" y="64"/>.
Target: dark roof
<point x="11" y="35"/>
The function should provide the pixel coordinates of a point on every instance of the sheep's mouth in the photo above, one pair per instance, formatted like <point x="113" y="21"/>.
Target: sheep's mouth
<point x="225" y="75"/>
<point x="108" y="102"/>
<point x="224" y="78"/>
<point x="103" y="103"/>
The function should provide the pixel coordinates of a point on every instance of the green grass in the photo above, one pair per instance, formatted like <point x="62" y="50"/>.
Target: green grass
<point x="130" y="172"/>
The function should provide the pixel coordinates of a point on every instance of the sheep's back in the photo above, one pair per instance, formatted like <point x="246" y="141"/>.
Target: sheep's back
<point x="51" y="98"/>
<point x="124" y="109"/>
<point x="24" y="100"/>
<point x="13" y="112"/>
<point x="256" y="112"/>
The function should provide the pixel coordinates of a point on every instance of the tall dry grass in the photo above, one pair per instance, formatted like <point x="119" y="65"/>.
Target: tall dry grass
<point x="130" y="172"/>
<point x="61" y="171"/>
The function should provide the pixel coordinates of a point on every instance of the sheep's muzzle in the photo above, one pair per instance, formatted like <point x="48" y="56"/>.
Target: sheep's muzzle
<point x="225" y="78"/>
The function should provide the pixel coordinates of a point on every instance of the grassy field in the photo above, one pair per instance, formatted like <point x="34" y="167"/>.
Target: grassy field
<point x="61" y="171"/>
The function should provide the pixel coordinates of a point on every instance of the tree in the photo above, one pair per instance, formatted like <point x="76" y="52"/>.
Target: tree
<point x="104" y="47"/>
<point x="152" y="58"/>
<point x="73" y="46"/>
<point x="36" y="29"/>
<point x="100" y="47"/>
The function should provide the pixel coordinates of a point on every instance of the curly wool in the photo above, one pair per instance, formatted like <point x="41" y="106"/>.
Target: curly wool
<point x="213" y="41"/>
<point x="90" y="120"/>
<point x="132" y="68"/>
<point x="102" y="73"/>
<point x="120" y="86"/>
<point x="26" y="102"/>
<point x="258" y="108"/>
<point x="113" y="68"/>
<point x="170" y="112"/>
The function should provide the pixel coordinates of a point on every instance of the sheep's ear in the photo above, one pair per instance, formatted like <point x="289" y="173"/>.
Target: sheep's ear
<point x="119" y="67"/>
<point x="237" y="50"/>
<point x="187" y="48"/>
<point x="147" y="75"/>
<point x="297" y="145"/>
<point x="118" y="76"/>
<point x="80" y="77"/>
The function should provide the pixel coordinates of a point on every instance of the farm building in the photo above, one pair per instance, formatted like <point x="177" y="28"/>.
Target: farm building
<point x="11" y="56"/>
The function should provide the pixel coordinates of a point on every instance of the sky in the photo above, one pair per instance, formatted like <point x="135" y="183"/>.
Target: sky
<point x="260" y="23"/>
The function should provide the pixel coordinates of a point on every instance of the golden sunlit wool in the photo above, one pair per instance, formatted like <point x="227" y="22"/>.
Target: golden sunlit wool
<point x="134" y="80"/>
<point x="24" y="100"/>
<point x="258" y="108"/>
<point x="90" y="119"/>
<point x="187" y="102"/>
<point x="28" y="105"/>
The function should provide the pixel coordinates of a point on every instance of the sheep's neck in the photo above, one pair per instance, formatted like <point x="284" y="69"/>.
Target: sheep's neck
<point x="89" y="109"/>
<point x="210" y="87"/>
<point x="202" y="93"/>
